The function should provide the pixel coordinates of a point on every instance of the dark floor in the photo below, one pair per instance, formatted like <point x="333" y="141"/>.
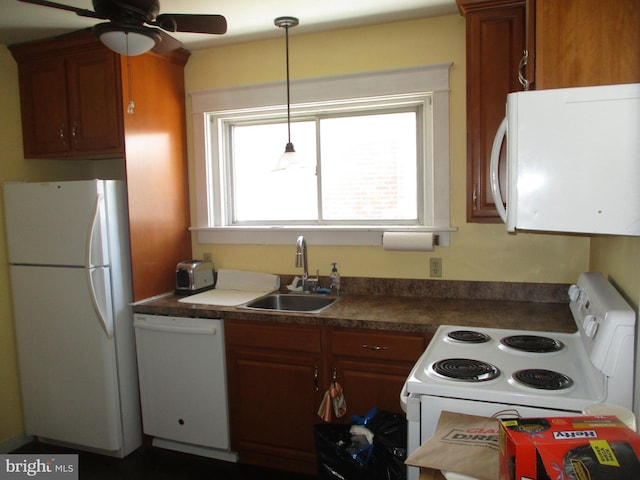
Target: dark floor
<point x="158" y="464"/>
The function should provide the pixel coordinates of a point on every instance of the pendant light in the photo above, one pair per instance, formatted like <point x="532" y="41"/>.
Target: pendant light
<point x="288" y="157"/>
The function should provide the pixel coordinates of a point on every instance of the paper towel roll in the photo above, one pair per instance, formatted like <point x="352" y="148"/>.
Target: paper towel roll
<point x="408" y="241"/>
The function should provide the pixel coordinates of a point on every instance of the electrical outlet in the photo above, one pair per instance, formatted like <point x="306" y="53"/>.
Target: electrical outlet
<point x="435" y="267"/>
<point x="206" y="256"/>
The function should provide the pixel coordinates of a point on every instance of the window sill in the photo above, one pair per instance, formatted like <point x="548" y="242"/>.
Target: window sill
<point x="316" y="235"/>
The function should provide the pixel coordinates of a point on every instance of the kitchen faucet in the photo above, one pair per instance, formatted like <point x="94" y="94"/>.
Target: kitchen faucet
<point x="308" y="284"/>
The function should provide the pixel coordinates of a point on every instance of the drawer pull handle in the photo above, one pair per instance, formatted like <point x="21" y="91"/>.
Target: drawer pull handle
<point x="375" y="347"/>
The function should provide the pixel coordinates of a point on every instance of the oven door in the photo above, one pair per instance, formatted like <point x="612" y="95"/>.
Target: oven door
<point x="431" y="407"/>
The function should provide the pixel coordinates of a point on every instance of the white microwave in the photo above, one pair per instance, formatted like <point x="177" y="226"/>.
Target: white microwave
<point x="573" y="160"/>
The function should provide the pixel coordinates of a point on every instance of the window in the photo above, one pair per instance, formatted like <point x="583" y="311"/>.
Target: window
<point x="372" y="156"/>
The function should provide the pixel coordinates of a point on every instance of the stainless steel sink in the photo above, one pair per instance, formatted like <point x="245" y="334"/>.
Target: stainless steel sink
<point x="292" y="302"/>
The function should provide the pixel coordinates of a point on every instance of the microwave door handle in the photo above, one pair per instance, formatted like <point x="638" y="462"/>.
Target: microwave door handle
<point x="493" y="169"/>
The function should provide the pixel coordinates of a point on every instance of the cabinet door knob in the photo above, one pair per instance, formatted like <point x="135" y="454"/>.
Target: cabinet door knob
<point x="61" y="134"/>
<point x="74" y="132"/>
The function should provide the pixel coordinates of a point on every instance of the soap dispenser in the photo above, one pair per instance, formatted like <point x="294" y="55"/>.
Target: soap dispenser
<point x="334" y="278"/>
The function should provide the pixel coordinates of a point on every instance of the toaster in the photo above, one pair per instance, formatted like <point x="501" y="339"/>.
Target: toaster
<point x="193" y="276"/>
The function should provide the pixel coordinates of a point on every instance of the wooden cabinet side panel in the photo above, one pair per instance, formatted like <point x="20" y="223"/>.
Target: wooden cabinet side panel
<point x="587" y="42"/>
<point x="156" y="169"/>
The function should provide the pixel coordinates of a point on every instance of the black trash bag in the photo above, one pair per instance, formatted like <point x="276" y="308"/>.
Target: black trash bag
<point x="389" y="445"/>
<point x="342" y="456"/>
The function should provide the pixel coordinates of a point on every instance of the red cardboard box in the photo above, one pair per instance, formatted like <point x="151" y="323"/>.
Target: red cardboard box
<point x="568" y="448"/>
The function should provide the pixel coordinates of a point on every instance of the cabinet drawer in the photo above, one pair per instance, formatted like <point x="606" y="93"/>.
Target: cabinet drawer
<point x="273" y="336"/>
<point x="377" y="345"/>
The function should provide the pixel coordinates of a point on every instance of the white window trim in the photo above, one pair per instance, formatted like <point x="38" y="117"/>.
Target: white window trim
<point x="432" y="78"/>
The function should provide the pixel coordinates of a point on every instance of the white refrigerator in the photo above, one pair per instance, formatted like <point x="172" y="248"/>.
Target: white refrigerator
<point x="69" y="262"/>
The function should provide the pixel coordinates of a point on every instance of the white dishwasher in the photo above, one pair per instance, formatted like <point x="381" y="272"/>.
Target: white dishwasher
<point x="183" y="387"/>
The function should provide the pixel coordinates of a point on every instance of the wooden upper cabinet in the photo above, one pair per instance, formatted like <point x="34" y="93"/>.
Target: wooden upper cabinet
<point x="95" y="102"/>
<point x="70" y="95"/>
<point x="495" y="45"/>
<point x="586" y="42"/>
<point x="570" y="43"/>
<point x="73" y="106"/>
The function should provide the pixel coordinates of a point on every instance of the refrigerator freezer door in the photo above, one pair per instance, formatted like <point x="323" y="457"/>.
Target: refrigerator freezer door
<point x="60" y="223"/>
<point x="67" y="364"/>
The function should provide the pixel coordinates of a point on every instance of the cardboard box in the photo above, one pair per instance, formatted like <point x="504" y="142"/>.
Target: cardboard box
<point x="463" y="444"/>
<point x="572" y="448"/>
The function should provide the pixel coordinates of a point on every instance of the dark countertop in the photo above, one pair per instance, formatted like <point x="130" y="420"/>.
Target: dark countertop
<point x="405" y="313"/>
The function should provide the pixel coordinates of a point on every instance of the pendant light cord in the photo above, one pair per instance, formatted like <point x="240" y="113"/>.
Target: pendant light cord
<point x="286" y="34"/>
<point x="131" y="107"/>
<point x="286" y="23"/>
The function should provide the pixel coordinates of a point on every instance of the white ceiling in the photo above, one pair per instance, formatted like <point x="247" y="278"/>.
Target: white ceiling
<point x="246" y="19"/>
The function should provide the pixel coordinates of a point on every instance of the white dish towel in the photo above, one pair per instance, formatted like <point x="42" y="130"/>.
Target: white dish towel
<point x="235" y="287"/>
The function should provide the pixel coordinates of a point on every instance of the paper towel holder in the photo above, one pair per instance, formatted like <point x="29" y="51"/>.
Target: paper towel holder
<point x="436" y="239"/>
<point x="416" y="241"/>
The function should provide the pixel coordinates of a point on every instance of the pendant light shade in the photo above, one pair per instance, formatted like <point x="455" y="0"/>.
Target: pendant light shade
<point x="288" y="157"/>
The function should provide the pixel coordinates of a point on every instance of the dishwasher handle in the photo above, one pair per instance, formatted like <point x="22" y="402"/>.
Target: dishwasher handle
<point x="183" y="329"/>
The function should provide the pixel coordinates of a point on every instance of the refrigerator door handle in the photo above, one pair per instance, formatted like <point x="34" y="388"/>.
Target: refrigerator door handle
<point x="106" y="325"/>
<point x="91" y="231"/>
<point x="493" y="169"/>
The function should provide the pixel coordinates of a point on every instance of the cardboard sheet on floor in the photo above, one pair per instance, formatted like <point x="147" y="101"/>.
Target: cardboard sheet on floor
<point x="235" y="287"/>
<point x="465" y="444"/>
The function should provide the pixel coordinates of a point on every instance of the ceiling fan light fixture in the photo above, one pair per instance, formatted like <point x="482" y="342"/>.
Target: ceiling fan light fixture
<point x="126" y="40"/>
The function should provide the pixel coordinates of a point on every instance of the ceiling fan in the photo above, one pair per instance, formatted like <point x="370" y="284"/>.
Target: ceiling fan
<point x="136" y="26"/>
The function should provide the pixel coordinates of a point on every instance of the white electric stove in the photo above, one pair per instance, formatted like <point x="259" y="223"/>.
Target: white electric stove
<point x="503" y="372"/>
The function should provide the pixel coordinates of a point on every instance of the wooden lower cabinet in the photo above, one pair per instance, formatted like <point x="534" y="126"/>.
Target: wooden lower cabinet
<point x="277" y="375"/>
<point x="373" y="366"/>
<point x="271" y="376"/>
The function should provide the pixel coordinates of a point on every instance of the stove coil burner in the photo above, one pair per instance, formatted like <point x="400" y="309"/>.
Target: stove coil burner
<point x="469" y="336"/>
<point x="543" y="379"/>
<point x="465" y="369"/>
<point x="532" y="343"/>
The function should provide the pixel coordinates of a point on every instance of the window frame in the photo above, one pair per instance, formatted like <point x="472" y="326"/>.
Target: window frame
<point x="430" y="81"/>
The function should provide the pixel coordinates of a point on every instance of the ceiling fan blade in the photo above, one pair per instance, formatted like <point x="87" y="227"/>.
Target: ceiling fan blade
<point x="167" y="43"/>
<point x="82" y="12"/>
<point x="178" y="22"/>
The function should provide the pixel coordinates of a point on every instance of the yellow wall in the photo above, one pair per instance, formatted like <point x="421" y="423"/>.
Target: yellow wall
<point x="478" y="252"/>
<point x="619" y="259"/>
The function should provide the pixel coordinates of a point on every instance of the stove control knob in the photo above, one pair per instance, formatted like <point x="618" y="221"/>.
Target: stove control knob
<point x="590" y="326"/>
<point x="574" y="292"/>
